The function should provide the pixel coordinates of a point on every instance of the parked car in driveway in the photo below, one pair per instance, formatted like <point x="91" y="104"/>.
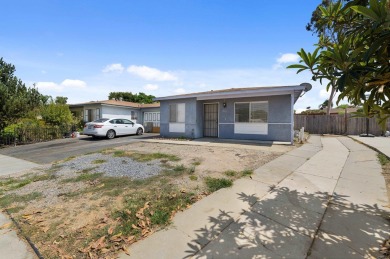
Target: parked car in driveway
<point x="111" y="128"/>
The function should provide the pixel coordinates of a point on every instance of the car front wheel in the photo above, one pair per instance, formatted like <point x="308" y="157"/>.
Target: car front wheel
<point x="140" y="131"/>
<point x="110" y="134"/>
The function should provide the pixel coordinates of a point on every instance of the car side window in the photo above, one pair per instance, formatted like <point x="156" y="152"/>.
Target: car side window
<point x="128" y="122"/>
<point x="112" y="121"/>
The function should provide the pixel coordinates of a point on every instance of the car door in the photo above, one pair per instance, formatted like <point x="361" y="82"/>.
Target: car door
<point x="117" y="125"/>
<point x="129" y="127"/>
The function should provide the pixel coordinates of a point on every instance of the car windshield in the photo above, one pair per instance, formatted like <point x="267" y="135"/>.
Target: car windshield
<point x="101" y="120"/>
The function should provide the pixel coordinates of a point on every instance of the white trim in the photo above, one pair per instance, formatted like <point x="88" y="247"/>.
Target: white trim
<point x="217" y="119"/>
<point x="251" y="128"/>
<point x="177" y="127"/>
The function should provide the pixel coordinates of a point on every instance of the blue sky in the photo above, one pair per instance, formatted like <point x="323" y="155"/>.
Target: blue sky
<point x="85" y="49"/>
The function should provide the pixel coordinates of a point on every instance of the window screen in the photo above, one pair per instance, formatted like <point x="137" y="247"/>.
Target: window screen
<point x="254" y="112"/>
<point x="177" y="112"/>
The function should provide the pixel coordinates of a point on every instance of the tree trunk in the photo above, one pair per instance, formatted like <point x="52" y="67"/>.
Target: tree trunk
<point x="330" y="100"/>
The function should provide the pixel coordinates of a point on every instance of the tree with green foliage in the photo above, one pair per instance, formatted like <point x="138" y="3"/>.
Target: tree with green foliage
<point x="130" y="97"/>
<point x="61" y="100"/>
<point x="324" y="105"/>
<point x="56" y="114"/>
<point x="352" y="53"/>
<point x="16" y="100"/>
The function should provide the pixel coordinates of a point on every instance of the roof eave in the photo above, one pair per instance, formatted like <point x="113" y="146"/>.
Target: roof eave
<point x="239" y="93"/>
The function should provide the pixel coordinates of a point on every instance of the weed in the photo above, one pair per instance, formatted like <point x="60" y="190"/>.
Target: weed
<point x="99" y="161"/>
<point x="153" y="156"/>
<point x="8" y="199"/>
<point x="179" y="168"/>
<point x="383" y="159"/>
<point x="14" y="183"/>
<point x="156" y="205"/>
<point x="230" y="173"/>
<point x="119" y="153"/>
<point x="214" y="184"/>
<point x="83" y="178"/>
<point x="247" y="172"/>
<point x="196" y="162"/>
<point x="69" y="158"/>
<point x="193" y="177"/>
<point x="191" y="170"/>
<point x="86" y="170"/>
<point x="54" y="168"/>
<point x="16" y="209"/>
<point x="145" y="157"/>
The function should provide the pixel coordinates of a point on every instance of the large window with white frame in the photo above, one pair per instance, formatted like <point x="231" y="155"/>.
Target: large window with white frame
<point x="177" y="117"/>
<point x="251" y="117"/>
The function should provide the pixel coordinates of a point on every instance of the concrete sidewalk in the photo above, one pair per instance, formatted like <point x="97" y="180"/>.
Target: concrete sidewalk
<point x="10" y="165"/>
<point x="381" y="144"/>
<point x="325" y="199"/>
<point x="10" y="244"/>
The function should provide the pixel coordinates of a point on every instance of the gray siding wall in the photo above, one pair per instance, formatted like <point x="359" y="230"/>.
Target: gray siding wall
<point x="191" y="119"/>
<point x="279" y="118"/>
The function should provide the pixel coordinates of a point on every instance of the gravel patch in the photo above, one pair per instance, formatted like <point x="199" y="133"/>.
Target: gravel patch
<point x="112" y="166"/>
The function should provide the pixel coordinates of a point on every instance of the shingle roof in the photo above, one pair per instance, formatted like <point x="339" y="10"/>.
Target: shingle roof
<point x="121" y="103"/>
<point x="242" y="92"/>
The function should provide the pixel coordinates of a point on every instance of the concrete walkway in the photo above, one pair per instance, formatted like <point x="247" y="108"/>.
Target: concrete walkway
<point x="10" y="165"/>
<point x="325" y="199"/>
<point x="379" y="143"/>
<point x="10" y="244"/>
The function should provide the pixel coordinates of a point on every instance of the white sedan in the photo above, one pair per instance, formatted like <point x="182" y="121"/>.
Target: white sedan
<point x="111" y="128"/>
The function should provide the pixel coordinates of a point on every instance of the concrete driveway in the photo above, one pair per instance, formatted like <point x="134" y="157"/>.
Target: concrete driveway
<point x="48" y="152"/>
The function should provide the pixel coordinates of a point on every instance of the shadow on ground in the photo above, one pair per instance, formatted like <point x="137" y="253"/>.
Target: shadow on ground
<point x="284" y="224"/>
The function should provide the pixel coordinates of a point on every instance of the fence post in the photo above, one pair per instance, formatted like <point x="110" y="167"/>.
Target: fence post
<point x="345" y="122"/>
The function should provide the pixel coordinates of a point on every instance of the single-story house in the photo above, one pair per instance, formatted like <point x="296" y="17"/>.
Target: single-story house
<point x="256" y="113"/>
<point x="141" y="113"/>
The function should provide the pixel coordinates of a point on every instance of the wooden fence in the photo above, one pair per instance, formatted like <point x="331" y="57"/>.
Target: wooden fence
<point x="337" y="124"/>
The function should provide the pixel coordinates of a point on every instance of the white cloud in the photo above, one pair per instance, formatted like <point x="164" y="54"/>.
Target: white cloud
<point x="151" y="87"/>
<point x="288" y="58"/>
<point x="284" y="59"/>
<point x="66" y="84"/>
<point x="74" y="83"/>
<point x="113" y="68"/>
<point x="180" y="91"/>
<point x="150" y="73"/>
<point x="48" y="86"/>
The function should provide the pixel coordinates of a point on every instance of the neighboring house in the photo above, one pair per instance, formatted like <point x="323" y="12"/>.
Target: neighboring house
<point x="141" y="113"/>
<point x="258" y="113"/>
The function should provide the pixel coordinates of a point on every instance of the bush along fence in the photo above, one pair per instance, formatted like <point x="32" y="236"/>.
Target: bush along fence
<point x="28" y="135"/>
<point x="344" y="124"/>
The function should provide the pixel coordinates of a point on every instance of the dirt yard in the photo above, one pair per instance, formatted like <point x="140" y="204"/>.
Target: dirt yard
<point x="94" y="206"/>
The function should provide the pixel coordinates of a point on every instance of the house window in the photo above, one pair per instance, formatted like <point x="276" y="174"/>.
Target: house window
<point x="177" y="117"/>
<point x="253" y="112"/>
<point x="251" y="118"/>
<point x="133" y="115"/>
<point x="97" y="114"/>
<point x="177" y="112"/>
